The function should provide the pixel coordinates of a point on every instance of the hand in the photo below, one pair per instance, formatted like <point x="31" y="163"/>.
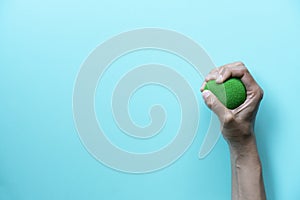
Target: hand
<point x="236" y="124"/>
<point x="237" y="127"/>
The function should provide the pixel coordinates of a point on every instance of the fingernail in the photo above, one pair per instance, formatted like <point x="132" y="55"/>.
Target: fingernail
<point x="205" y="93"/>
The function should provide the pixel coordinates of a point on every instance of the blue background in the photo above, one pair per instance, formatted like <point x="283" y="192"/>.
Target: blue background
<point x="43" y="44"/>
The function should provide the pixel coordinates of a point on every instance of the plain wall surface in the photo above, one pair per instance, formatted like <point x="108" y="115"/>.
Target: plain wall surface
<point x="42" y="46"/>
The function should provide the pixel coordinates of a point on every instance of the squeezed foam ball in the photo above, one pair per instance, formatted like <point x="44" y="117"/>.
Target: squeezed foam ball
<point x="232" y="93"/>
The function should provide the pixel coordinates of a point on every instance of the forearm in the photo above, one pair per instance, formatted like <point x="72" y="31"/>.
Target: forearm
<point x="247" y="180"/>
<point x="237" y="128"/>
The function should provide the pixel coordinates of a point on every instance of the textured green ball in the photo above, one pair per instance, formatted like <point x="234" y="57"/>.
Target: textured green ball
<point x="232" y="93"/>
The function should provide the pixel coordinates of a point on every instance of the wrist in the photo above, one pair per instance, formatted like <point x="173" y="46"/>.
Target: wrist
<point x="246" y="169"/>
<point x="238" y="132"/>
<point x="244" y="150"/>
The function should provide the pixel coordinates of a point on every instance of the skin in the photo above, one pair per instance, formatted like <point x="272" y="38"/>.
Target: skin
<point x="237" y="127"/>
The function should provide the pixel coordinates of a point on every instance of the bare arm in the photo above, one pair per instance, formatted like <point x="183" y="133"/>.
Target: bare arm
<point x="237" y="127"/>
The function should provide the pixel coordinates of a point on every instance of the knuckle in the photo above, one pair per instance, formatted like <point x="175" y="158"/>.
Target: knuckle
<point x="242" y="66"/>
<point x="221" y="68"/>
<point x="209" y="103"/>
<point x="260" y="93"/>
<point x="240" y="63"/>
<point x="214" y="70"/>
<point x="211" y="74"/>
<point x="228" y="118"/>
<point x="244" y="70"/>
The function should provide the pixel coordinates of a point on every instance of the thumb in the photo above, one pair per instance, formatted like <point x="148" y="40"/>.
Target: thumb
<point x="213" y="103"/>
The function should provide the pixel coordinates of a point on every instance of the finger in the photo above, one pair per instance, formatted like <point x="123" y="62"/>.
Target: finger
<point x="213" y="75"/>
<point x="238" y="70"/>
<point x="234" y="64"/>
<point x="214" y="104"/>
<point x="224" y="74"/>
<point x="203" y="86"/>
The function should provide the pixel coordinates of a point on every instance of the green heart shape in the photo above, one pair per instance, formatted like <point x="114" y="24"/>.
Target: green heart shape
<point x="232" y="93"/>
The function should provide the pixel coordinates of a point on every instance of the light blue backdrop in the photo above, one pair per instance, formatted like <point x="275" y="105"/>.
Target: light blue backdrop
<point x="43" y="44"/>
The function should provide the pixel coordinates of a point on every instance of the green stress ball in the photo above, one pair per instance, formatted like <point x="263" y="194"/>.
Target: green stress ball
<point x="232" y="93"/>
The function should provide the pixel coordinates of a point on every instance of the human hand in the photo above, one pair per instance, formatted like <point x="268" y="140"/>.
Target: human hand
<point x="236" y="124"/>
